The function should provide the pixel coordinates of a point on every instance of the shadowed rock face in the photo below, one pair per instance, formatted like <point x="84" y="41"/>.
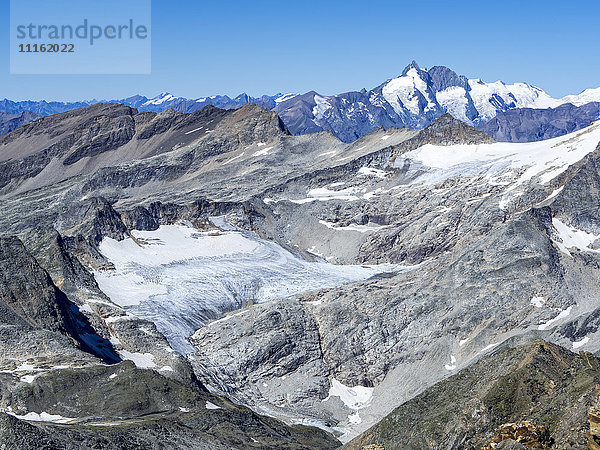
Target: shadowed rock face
<point x="27" y="294"/>
<point x="540" y="383"/>
<point x="29" y="300"/>
<point x="527" y="125"/>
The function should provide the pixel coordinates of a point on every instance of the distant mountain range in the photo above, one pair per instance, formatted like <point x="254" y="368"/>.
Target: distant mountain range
<point x="527" y="125"/>
<point x="414" y="100"/>
<point x="11" y="121"/>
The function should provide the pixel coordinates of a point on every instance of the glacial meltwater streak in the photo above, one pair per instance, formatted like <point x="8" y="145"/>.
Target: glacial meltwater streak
<point x="181" y="279"/>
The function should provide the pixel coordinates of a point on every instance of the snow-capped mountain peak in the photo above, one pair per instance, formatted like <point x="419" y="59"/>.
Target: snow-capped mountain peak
<point x="473" y="101"/>
<point x="161" y="98"/>
<point x="586" y="96"/>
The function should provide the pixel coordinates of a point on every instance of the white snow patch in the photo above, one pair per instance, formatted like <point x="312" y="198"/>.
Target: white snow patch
<point x="234" y="158"/>
<point x="123" y="318"/>
<point x="43" y="417"/>
<point x="571" y="237"/>
<point x="332" y="152"/>
<point x="210" y="405"/>
<point x="173" y="243"/>
<point x="581" y="343"/>
<point x="141" y="360"/>
<point x="284" y="97"/>
<point x="355" y="398"/>
<point x="587" y="96"/>
<point x="401" y="93"/>
<point x="86" y="308"/>
<point x="128" y="288"/>
<point x="452" y="366"/>
<point x="354" y="418"/>
<point x="551" y="322"/>
<point x="112" y="376"/>
<point x="162" y="98"/>
<point x="324" y="194"/>
<point x="322" y="105"/>
<point x="371" y="172"/>
<point x="538" y="302"/>
<point x="263" y="152"/>
<point x="488" y="347"/>
<point x="554" y="193"/>
<point x="463" y="342"/>
<point x="455" y="102"/>
<point x="28" y="378"/>
<point x="193" y="131"/>
<point x="369" y="228"/>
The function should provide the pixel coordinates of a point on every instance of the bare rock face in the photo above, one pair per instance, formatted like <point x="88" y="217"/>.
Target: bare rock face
<point x="29" y="300"/>
<point x="272" y="352"/>
<point x="520" y="435"/>
<point x="27" y="295"/>
<point x="447" y="131"/>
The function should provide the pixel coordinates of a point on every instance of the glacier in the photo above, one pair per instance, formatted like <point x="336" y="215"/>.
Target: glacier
<point x="182" y="279"/>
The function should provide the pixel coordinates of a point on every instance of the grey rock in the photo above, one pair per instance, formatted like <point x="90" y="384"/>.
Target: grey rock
<point x="271" y="353"/>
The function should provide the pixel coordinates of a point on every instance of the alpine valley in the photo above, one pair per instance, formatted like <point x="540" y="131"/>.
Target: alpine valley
<point x="415" y="266"/>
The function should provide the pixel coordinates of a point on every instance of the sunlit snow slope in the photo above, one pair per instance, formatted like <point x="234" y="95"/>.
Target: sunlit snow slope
<point x="181" y="279"/>
<point x="502" y="164"/>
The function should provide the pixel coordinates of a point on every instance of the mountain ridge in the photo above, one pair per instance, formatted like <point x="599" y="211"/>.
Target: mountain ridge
<point x="414" y="99"/>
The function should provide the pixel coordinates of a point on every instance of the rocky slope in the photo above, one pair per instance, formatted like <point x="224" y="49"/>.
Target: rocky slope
<point x="473" y="243"/>
<point x="468" y="230"/>
<point x="540" y="383"/>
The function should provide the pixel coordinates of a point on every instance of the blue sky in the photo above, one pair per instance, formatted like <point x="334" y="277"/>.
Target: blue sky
<point x="202" y="48"/>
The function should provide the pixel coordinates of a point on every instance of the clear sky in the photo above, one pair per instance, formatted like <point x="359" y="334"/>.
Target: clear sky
<point x="202" y="48"/>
